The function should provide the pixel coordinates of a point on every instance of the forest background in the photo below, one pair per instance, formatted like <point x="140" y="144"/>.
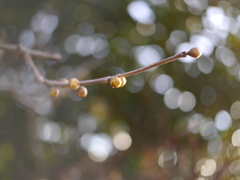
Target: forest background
<point x="177" y="121"/>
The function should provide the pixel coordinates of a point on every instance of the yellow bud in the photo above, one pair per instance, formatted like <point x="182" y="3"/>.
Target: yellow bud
<point x="73" y="84"/>
<point x="115" y="82"/>
<point x="194" y="52"/>
<point x="123" y="80"/>
<point x="54" y="92"/>
<point x="82" y="91"/>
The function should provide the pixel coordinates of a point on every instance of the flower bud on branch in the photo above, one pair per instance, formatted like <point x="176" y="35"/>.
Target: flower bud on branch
<point x="74" y="83"/>
<point x="194" y="52"/>
<point x="54" y="92"/>
<point x="116" y="81"/>
<point x="82" y="91"/>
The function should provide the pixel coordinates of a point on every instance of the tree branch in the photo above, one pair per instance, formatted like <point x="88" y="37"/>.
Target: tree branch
<point x="28" y="60"/>
<point x="28" y="53"/>
<point x="33" y="53"/>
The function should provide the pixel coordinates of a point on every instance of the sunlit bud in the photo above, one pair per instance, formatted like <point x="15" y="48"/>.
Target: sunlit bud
<point x="82" y="91"/>
<point x="73" y="84"/>
<point x="115" y="82"/>
<point x="194" y="52"/>
<point x="54" y="92"/>
<point x="123" y="80"/>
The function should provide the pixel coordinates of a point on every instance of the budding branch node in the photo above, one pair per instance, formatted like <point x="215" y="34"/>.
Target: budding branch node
<point x="27" y="54"/>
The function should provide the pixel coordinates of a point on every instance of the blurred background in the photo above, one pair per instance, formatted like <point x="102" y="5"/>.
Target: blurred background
<point x="179" y="121"/>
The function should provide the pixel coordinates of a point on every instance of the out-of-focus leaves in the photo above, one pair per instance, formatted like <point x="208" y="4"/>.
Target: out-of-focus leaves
<point x="178" y="121"/>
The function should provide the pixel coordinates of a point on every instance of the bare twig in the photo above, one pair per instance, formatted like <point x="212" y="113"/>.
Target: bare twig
<point x="130" y="73"/>
<point x="136" y="71"/>
<point x="33" y="53"/>
<point x="28" y="60"/>
<point x="27" y="53"/>
<point x="38" y="77"/>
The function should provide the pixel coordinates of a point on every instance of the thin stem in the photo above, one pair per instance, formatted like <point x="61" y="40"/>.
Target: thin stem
<point x="164" y="61"/>
<point x="95" y="81"/>
<point x="134" y="72"/>
<point x="28" y="60"/>
<point x="28" y="53"/>
<point x="33" y="53"/>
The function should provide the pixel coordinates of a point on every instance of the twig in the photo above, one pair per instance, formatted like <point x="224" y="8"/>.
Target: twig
<point x="27" y="53"/>
<point x="140" y="70"/>
<point x="33" y="53"/>
<point x="136" y="71"/>
<point x="28" y="60"/>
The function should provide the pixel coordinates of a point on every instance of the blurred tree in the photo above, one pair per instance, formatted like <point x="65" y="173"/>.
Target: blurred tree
<point x="178" y="121"/>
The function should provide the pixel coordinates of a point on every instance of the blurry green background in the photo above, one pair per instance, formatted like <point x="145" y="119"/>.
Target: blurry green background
<point x="179" y="121"/>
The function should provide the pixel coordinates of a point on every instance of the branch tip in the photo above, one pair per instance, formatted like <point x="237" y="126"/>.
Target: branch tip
<point x="194" y="52"/>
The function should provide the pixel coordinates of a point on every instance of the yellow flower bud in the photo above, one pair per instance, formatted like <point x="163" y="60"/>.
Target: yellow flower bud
<point x="82" y="91"/>
<point x="54" y="92"/>
<point x="194" y="52"/>
<point x="115" y="82"/>
<point x="123" y="80"/>
<point x="73" y="84"/>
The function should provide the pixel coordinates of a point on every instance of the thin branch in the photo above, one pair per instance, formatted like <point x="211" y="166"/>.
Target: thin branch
<point x="27" y="53"/>
<point x="28" y="60"/>
<point x="33" y="53"/>
<point x="38" y="77"/>
<point x="136" y="71"/>
<point x="164" y="61"/>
